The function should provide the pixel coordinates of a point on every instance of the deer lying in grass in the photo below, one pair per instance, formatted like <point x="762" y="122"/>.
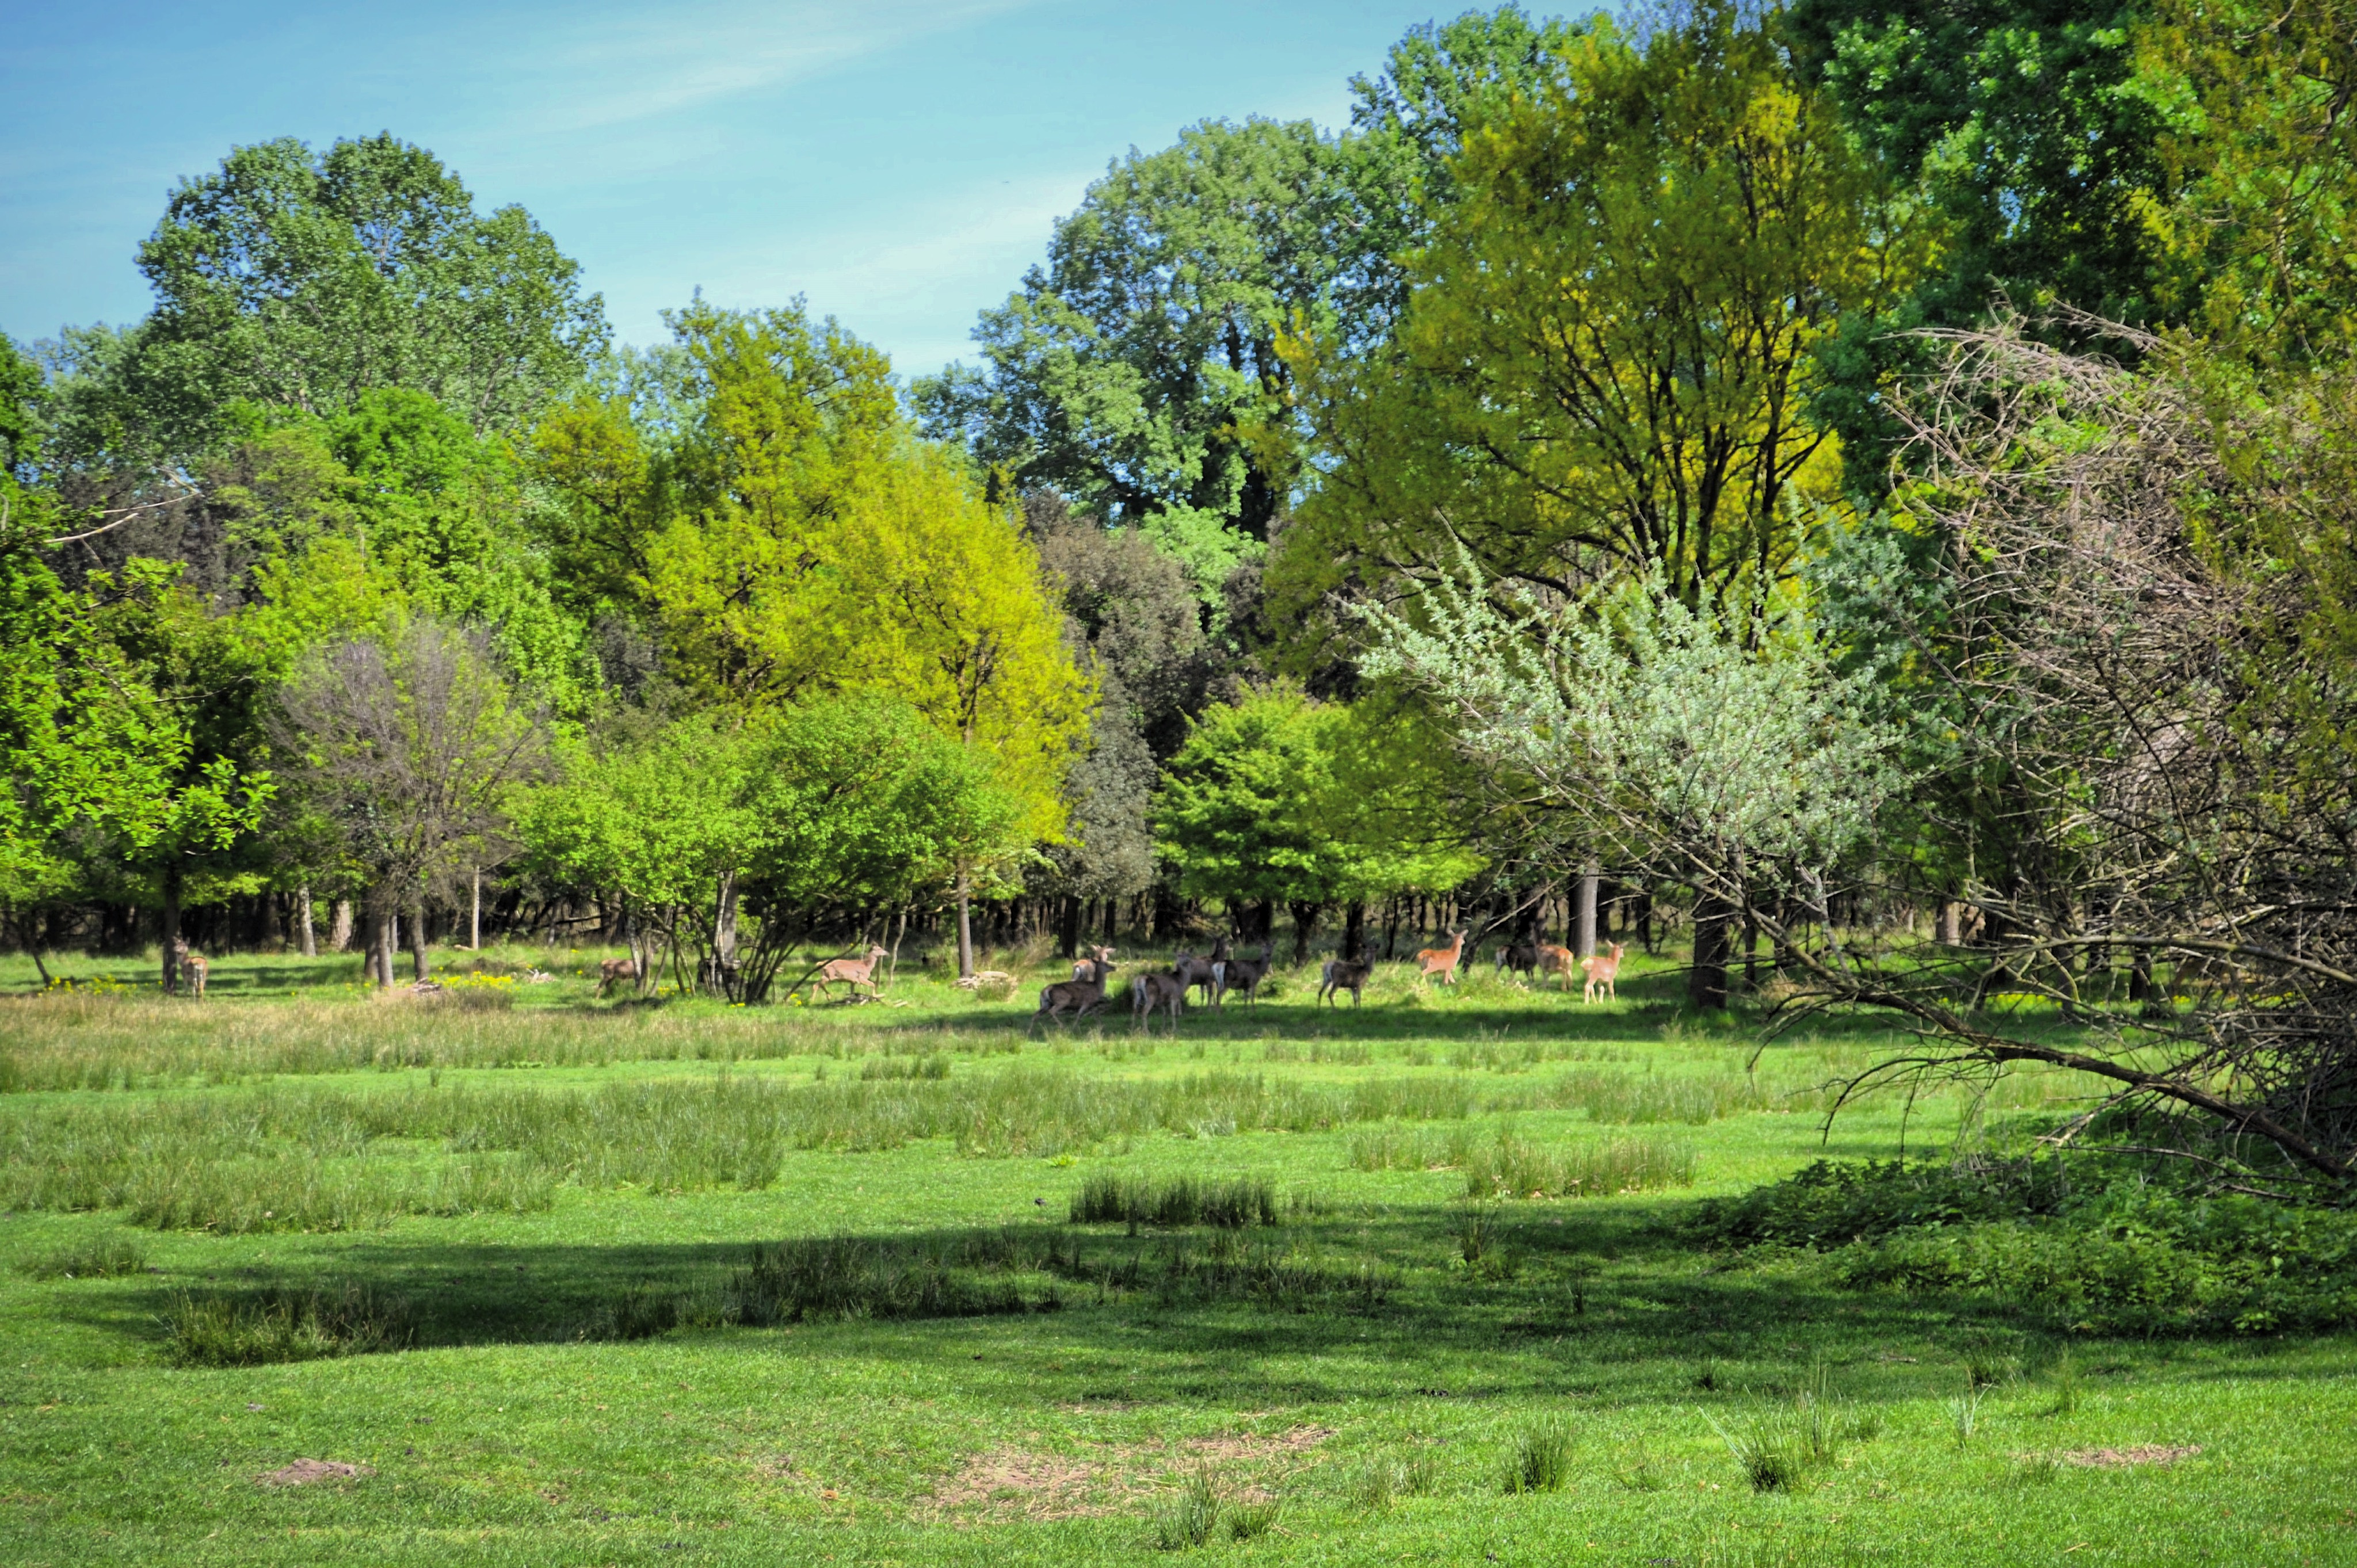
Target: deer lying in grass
<point x="1243" y="975"/>
<point x="1555" y="961"/>
<point x="1442" y="962"/>
<point x="853" y="973"/>
<point x="192" y="967"/>
<point x="1160" y="990"/>
<point x="1077" y="997"/>
<point x="1344" y="974"/>
<point x="1520" y="957"/>
<point x="613" y="970"/>
<point x="1602" y="970"/>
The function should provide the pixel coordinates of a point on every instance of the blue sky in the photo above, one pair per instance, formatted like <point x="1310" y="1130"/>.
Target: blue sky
<point x="898" y="162"/>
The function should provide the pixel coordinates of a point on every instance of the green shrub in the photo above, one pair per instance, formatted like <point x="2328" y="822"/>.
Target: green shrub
<point x="282" y="1324"/>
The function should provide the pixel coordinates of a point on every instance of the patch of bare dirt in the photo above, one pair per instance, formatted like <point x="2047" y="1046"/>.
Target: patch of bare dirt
<point x="303" y="1472"/>
<point x="1025" y="1484"/>
<point x="2136" y="1454"/>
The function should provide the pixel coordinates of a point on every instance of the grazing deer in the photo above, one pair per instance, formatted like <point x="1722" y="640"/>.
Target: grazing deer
<point x="1080" y="997"/>
<point x="613" y="969"/>
<point x="1442" y="962"/>
<point x="1161" y="991"/>
<point x="853" y="973"/>
<point x="1520" y="957"/>
<point x="1094" y="955"/>
<point x="192" y="968"/>
<point x="1602" y="970"/>
<point x="1193" y="972"/>
<point x="1243" y="975"/>
<point x="1344" y="974"/>
<point x="1555" y="961"/>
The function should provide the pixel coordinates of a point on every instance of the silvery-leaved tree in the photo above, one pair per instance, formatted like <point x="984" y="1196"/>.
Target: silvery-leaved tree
<point x="1726" y="754"/>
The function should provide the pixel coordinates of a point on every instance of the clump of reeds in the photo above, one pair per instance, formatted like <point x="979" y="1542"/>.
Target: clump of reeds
<point x="1108" y="1198"/>
<point x="285" y="1324"/>
<point x="1513" y="1167"/>
<point x="1542" y="1458"/>
<point x="98" y="1258"/>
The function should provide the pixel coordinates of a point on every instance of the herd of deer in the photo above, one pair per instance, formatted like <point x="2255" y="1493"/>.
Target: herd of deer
<point x="1165" y="991"/>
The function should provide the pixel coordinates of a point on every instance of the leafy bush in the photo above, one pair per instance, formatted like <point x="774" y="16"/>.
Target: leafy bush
<point x="2129" y="1258"/>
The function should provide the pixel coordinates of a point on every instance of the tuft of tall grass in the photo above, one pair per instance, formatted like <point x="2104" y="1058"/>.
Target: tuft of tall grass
<point x="1542" y="1458"/>
<point x="90" y="1260"/>
<point x="1512" y="1167"/>
<point x="853" y="1277"/>
<point x="1109" y="1197"/>
<point x="284" y="1323"/>
<point x="1785" y="1449"/>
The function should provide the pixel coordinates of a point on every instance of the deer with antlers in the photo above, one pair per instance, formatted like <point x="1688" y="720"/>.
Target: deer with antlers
<point x="1602" y="970"/>
<point x="853" y="972"/>
<point x="1442" y="962"/>
<point x="1093" y="955"/>
<point x="1158" y="991"/>
<point x="1344" y="974"/>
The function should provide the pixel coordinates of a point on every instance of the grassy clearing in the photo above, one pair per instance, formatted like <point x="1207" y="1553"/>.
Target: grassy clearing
<point x="962" y="1299"/>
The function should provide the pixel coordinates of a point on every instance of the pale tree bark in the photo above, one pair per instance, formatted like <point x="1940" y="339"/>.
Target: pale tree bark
<point x="475" y="917"/>
<point x="421" y="961"/>
<point x="310" y="929"/>
<point x="1589" y="875"/>
<point x="965" y="925"/>
<point x="340" y="927"/>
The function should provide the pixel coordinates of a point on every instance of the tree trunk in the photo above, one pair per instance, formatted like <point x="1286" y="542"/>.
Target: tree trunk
<point x="475" y="917"/>
<point x="1305" y="923"/>
<point x="1707" y="979"/>
<point x="1589" y="875"/>
<point x="1068" y="935"/>
<point x="383" y="936"/>
<point x="1354" y="931"/>
<point x="171" y="928"/>
<point x="309" y="928"/>
<point x="340" y="927"/>
<point x="420" y="961"/>
<point x="965" y="925"/>
<point x="1951" y="924"/>
<point x="723" y="980"/>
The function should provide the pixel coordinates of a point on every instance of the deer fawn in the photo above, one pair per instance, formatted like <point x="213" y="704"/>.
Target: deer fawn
<point x="192" y="968"/>
<point x="612" y="971"/>
<point x="853" y="973"/>
<point x="1080" y="997"/>
<point x="1554" y="960"/>
<point x="1161" y="991"/>
<point x="1602" y="970"/>
<point x="1344" y="974"/>
<point x="1442" y="962"/>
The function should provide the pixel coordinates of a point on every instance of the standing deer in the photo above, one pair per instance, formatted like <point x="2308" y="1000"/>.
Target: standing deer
<point x="1080" y="997"/>
<point x="1442" y="962"/>
<point x="1095" y="955"/>
<point x="1160" y="990"/>
<point x="1243" y="975"/>
<point x="1520" y="957"/>
<point x="613" y="969"/>
<point x="853" y="973"/>
<point x="192" y="968"/>
<point x="1602" y="970"/>
<point x="1203" y="971"/>
<point x="1344" y="974"/>
<point x="1554" y="960"/>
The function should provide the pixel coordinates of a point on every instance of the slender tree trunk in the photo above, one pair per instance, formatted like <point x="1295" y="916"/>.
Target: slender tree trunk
<point x="1067" y="939"/>
<point x="475" y="917"/>
<point x="1707" y="979"/>
<point x="1589" y="875"/>
<point x="421" y="961"/>
<point x="1304" y="924"/>
<point x="965" y="925"/>
<point x="304" y="918"/>
<point x="1951" y="924"/>
<point x="171" y="928"/>
<point x="723" y="938"/>
<point x="1354" y="931"/>
<point x="384" y="936"/>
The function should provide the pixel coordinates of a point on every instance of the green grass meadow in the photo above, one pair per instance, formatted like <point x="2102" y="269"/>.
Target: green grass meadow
<point x="576" y="1281"/>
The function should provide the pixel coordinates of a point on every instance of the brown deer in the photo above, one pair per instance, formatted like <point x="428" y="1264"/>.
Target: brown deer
<point x="1243" y="975"/>
<point x="1602" y="970"/>
<point x="1344" y="974"/>
<point x="853" y="973"/>
<point x="1442" y="962"/>
<point x="1160" y="990"/>
<point x="1079" y="997"/>
<point x="613" y="971"/>
<point x="1093" y="955"/>
<point x="192" y="967"/>
<point x="1555" y="961"/>
<point x="1193" y="972"/>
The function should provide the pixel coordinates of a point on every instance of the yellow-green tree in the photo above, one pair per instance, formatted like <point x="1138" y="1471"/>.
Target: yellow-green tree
<point x="1609" y="347"/>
